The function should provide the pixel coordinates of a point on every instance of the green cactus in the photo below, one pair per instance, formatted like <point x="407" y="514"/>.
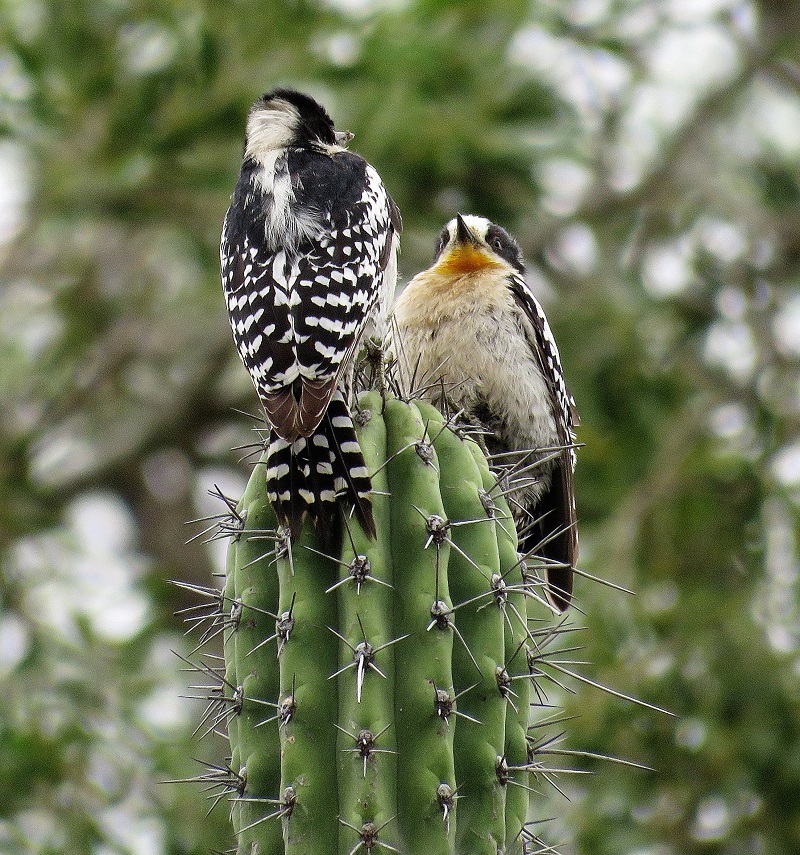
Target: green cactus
<point x="378" y="700"/>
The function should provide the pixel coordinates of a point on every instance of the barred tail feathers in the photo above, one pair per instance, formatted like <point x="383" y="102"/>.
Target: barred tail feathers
<point x="349" y="466"/>
<point x="311" y="474"/>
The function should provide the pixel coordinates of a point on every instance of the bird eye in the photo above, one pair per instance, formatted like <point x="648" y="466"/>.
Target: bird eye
<point x="444" y="239"/>
<point x="496" y="243"/>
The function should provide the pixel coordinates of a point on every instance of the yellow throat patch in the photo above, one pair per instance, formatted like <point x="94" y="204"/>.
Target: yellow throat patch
<point x="465" y="258"/>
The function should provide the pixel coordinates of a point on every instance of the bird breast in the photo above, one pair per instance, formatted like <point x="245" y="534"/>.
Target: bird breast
<point x="471" y="333"/>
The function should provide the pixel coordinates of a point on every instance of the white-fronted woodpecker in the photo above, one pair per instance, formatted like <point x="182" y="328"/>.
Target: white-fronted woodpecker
<point x="309" y="265"/>
<point x="471" y="336"/>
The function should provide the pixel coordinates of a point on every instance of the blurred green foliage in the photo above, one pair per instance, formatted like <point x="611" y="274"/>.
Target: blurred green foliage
<point x="646" y="155"/>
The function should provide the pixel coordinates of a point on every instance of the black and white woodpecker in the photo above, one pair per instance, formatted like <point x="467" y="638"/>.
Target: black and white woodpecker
<point x="309" y="265"/>
<point x="469" y="330"/>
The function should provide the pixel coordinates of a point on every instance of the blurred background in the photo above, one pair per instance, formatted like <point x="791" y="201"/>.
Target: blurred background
<point x="646" y="155"/>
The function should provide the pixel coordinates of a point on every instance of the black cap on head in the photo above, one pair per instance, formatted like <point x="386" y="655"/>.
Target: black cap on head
<point x="315" y="123"/>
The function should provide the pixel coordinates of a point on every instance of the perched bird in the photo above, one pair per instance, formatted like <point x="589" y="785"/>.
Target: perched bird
<point x="309" y="264"/>
<point x="469" y="331"/>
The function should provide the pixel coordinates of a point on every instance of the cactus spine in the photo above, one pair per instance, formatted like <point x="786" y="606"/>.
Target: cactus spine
<point x="378" y="700"/>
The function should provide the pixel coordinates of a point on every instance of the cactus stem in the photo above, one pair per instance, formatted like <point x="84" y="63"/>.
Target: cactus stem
<point x="432" y="559"/>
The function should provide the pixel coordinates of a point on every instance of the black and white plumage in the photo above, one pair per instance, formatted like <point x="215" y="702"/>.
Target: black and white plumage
<point x="309" y="265"/>
<point x="470" y="331"/>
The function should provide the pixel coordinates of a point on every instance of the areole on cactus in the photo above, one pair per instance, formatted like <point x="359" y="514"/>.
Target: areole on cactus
<point x="378" y="700"/>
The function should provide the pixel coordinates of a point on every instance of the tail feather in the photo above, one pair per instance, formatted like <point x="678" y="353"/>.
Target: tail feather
<point x="553" y="536"/>
<point x="312" y="474"/>
<point x="349" y="467"/>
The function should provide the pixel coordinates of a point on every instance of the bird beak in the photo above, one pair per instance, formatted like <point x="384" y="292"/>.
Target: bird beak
<point x="463" y="232"/>
<point x="343" y="137"/>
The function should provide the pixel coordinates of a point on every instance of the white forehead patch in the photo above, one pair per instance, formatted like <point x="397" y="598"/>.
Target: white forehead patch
<point x="270" y="128"/>
<point x="477" y="225"/>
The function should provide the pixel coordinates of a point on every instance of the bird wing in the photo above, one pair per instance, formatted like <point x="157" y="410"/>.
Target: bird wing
<point x="556" y="508"/>
<point x="543" y="346"/>
<point x="313" y="301"/>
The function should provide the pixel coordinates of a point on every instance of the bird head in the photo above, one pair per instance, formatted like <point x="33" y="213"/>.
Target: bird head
<point x="285" y="118"/>
<point x="469" y="244"/>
